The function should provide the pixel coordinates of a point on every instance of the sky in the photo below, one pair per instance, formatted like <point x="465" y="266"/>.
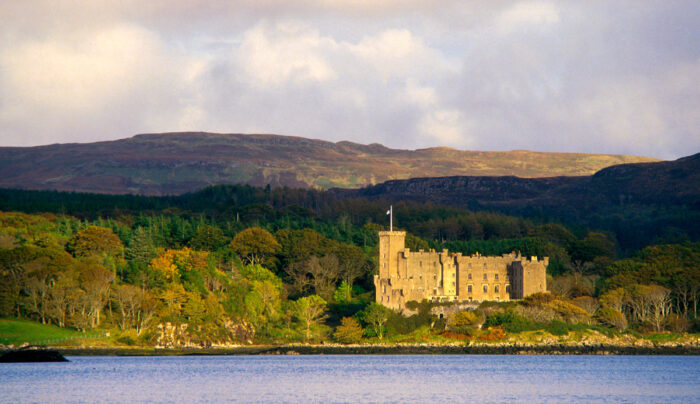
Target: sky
<point x="595" y="76"/>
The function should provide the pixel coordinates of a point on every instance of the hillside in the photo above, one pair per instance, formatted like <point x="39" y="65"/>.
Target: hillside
<point x="666" y="183"/>
<point x="175" y="163"/>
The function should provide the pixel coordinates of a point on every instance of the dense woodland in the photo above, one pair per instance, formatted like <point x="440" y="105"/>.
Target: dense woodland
<point x="239" y="264"/>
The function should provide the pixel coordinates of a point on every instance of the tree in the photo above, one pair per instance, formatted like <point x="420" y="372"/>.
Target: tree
<point x="95" y="281"/>
<point x="310" y="310"/>
<point x="343" y="294"/>
<point x="127" y="299"/>
<point x="208" y="238"/>
<point x="588" y="303"/>
<point x="352" y="261"/>
<point x="141" y="249"/>
<point x="375" y="316"/>
<point x="325" y="272"/>
<point x="94" y="240"/>
<point x="255" y="245"/>
<point x="349" y="331"/>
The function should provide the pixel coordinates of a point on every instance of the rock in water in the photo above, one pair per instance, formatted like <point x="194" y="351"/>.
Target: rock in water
<point x="32" y="355"/>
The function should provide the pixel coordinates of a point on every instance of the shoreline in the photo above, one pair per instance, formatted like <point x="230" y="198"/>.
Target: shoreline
<point x="403" y="349"/>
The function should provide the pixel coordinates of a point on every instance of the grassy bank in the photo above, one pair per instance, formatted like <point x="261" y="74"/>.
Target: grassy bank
<point x="17" y="332"/>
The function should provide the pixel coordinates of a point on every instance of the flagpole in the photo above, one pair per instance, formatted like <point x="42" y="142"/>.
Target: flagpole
<point x="391" y="217"/>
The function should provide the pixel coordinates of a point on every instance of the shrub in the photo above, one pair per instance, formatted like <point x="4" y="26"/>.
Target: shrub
<point x="511" y="322"/>
<point x="465" y="322"/>
<point x="538" y="299"/>
<point x="676" y="323"/>
<point x="494" y="334"/>
<point x="557" y="327"/>
<point x="569" y="313"/>
<point x="611" y="317"/>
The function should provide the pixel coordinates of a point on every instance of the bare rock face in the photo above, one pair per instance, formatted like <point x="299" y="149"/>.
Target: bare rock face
<point x="184" y="336"/>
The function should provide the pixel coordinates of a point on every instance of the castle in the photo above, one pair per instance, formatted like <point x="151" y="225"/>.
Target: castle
<point x="406" y="275"/>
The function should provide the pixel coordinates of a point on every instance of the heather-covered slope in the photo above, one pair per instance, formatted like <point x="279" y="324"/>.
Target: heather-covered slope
<point x="174" y="163"/>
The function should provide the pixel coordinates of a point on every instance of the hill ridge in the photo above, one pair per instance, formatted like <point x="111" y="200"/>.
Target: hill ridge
<point x="178" y="162"/>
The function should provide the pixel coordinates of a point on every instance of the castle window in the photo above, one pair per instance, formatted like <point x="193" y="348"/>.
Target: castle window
<point x="485" y="277"/>
<point x="469" y="275"/>
<point x="469" y="288"/>
<point x="495" y="277"/>
<point x="486" y="289"/>
<point x="453" y="284"/>
<point x="384" y="289"/>
<point x="495" y="289"/>
<point x="470" y="265"/>
<point x="420" y="263"/>
<point x="484" y="265"/>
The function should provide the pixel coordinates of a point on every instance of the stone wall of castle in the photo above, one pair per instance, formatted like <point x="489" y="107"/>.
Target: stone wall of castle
<point x="406" y="275"/>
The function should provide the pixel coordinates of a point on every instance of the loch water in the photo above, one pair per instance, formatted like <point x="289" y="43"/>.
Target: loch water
<point x="355" y="378"/>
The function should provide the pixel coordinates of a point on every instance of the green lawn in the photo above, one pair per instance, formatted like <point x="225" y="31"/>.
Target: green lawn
<point x="16" y="332"/>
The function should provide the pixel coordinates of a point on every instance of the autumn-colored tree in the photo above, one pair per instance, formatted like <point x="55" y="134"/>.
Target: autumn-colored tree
<point x="94" y="240"/>
<point x="349" y="331"/>
<point x="255" y="245"/>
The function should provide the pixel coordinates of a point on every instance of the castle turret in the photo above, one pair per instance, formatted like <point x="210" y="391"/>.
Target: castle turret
<point x="390" y="244"/>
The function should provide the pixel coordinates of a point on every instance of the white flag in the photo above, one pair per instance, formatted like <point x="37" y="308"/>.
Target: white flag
<point x="388" y="211"/>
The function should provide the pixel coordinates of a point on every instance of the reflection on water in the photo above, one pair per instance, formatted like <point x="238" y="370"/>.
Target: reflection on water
<point x="436" y="378"/>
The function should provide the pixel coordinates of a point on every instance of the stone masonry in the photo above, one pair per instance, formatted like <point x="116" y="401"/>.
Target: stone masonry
<point x="406" y="275"/>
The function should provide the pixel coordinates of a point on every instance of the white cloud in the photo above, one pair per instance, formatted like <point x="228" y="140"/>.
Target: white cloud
<point x="620" y="77"/>
<point x="528" y="14"/>
<point x="286" y="52"/>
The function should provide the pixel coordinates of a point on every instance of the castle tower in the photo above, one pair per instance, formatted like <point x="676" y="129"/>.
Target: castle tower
<point x="388" y="292"/>
<point x="390" y="244"/>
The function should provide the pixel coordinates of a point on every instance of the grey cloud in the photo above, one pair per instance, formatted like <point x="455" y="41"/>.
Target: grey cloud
<point x="603" y="77"/>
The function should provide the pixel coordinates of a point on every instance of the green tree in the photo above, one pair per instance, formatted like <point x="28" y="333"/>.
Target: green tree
<point x="375" y="316"/>
<point x="208" y="238"/>
<point x="343" y="294"/>
<point x="141" y="249"/>
<point x="310" y="310"/>
<point x="255" y="245"/>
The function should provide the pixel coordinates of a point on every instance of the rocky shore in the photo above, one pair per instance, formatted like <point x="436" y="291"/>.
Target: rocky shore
<point x="398" y="349"/>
